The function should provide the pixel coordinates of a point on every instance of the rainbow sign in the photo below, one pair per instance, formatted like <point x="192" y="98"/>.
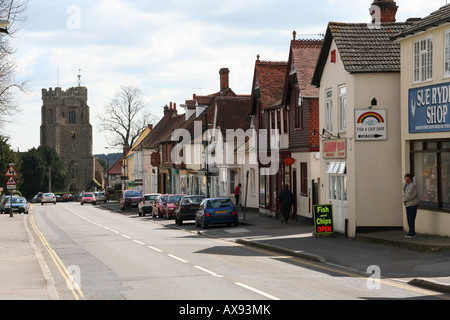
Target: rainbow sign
<point x="371" y="116"/>
<point x="371" y="125"/>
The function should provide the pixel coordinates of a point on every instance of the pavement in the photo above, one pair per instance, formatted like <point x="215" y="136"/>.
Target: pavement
<point x="423" y="261"/>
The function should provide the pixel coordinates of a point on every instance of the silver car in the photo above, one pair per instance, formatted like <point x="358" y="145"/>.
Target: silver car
<point x="100" y="196"/>
<point x="48" y="198"/>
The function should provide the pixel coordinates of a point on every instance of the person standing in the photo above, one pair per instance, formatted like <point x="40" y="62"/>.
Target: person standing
<point x="287" y="200"/>
<point x="411" y="200"/>
<point x="237" y="192"/>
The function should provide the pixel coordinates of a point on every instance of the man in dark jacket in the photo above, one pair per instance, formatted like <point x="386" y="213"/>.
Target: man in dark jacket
<point x="287" y="200"/>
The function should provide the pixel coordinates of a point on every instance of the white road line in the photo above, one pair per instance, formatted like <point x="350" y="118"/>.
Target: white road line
<point x="125" y="236"/>
<point x="209" y="272"/>
<point x="257" y="291"/>
<point x="153" y="248"/>
<point x="115" y="231"/>
<point x="138" y="242"/>
<point x="176" y="258"/>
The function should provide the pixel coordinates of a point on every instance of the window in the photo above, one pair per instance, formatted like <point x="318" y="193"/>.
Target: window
<point x="342" y="108"/>
<point x="329" y="111"/>
<point x="304" y="179"/>
<point x="423" y="60"/>
<point x="430" y="163"/>
<point x="447" y="54"/>
<point x="337" y="187"/>
<point x="298" y="101"/>
<point x="72" y="116"/>
<point x="285" y="120"/>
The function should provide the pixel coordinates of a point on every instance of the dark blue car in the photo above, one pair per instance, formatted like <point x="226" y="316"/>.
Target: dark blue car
<point x="216" y="211"/>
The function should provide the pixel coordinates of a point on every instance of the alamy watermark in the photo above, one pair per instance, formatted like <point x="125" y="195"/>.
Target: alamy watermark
<point x="374" y="281"/>
<point x="73" y="22"/>
<point x="212" y="148"/>
<point x="375" y="13"/>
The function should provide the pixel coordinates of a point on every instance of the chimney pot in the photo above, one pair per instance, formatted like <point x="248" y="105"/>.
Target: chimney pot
<point x="388" y="10"/>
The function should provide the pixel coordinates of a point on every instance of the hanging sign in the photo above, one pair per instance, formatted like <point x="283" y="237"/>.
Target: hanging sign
<point x="371" y="125"/>
<point x="323" y="219"/>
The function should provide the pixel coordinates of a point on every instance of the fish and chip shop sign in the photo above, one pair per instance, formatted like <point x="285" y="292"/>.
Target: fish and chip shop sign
<point x="429" y="109"/>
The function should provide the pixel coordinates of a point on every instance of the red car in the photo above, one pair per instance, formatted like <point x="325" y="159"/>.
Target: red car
<point x="88" y="198"/>
<point x="67" y="197"/>
<point x="130" y="199"/>
<point x="172" y="204"/>
<point x="159" y="205"/>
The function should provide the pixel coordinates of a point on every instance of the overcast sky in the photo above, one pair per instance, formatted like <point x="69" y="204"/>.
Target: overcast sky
<point x="169" y="49"/>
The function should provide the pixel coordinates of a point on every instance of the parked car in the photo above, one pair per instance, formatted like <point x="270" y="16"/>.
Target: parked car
<point x="216" y="211"/>
<point x="37" y="198"/>
<point x="88" y="197"/>
<point x="58" y="198"/>
<point x="130" y="199"/>
<point x="146" y="204"/>
<point x="159" y="205"/>
<point x="67" y="197"/>
<point x="172" y="204"/>
<point x="187" y="207"/>
<point x="19" y="204"/>
<point x="100" y="197"/>
<point x="3" y="201"/>
<point x="48" y="198"/>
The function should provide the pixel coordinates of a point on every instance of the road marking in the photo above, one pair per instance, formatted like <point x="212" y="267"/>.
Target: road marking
<point x="156" y="249"/>
<point x="138" y="242"/>
<point x="257" y="291"/>
<point x="115" y="231"/>
<point x="125" y="236"/>
<point x="74" y="287"/>
<point x="176" y="258"/>
<point x="209" y="272"/>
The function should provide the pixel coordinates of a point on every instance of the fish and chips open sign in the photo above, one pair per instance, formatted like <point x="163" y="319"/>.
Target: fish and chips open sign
<point x="323" y="219"/>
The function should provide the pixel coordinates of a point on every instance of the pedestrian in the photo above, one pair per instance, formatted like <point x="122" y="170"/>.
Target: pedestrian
<point x="237" y="192"/>
<point x="287" y="200"/>
<point x="411" y="200"/>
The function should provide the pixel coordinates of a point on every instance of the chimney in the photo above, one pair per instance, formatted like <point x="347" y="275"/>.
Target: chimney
<point x="169" y="113"/>
<point x="388" y="10"/>
<point x="224" y="80"/>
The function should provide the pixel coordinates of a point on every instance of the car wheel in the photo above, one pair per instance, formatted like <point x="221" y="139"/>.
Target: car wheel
<point x="42" y="203"/>
<point x="54" y="203"/>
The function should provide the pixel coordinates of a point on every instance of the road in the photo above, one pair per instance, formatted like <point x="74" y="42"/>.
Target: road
<point x="115" y="256"/>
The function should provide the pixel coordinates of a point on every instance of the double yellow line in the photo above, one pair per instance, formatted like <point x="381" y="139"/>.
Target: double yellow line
<point x="70" y="281"/>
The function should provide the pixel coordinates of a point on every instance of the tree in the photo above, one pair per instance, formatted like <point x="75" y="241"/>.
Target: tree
<point x="13" y="11"/>
<point x="36" y="164"/>
<point x="126" y="117"/>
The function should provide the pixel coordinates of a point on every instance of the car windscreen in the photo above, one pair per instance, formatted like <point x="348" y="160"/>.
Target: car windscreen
<point x="220" y="203"/>
<point x="19" y="200"/>
<point x="152" y="197"/>
<point x="130" y="194"/>
<point x="163" y="199"/>
<point x="174" y="199"/>
<point x="195" y="200"/>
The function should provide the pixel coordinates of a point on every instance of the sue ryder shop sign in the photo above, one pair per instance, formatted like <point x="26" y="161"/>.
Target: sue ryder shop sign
<point x="429" y="109"/>
<point x="334" y="149"/>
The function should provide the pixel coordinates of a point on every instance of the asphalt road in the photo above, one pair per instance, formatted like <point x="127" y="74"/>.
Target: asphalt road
<point x="121" y="256"/>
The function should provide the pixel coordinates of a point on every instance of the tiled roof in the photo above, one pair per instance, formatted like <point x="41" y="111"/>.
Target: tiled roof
<point x="233" y="113"/>
<point x="435" y="19"/>
<point x="362" y="48"/>
<point x="271" y="77"/>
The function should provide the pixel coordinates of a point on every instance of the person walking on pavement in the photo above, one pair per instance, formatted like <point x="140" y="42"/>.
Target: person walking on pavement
<point x="287" y="200"/>
<point x="237" y="193"/>
<point x="411" y="200"/>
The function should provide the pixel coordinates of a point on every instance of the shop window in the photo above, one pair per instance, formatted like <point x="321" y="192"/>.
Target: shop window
<point x="430" y="162"/>
<point x="337" y="187"/>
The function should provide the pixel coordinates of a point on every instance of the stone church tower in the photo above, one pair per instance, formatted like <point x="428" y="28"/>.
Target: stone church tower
<point x="66" y="128"/>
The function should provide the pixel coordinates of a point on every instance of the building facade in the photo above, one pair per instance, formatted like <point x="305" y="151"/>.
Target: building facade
<point x="66" y="128"/>
<point x="425" y="114"/>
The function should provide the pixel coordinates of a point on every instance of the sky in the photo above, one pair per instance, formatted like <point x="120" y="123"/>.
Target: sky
<point x="169" y="49"/>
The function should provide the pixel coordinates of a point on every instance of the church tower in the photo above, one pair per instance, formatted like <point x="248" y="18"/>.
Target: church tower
<point x="66" y="127"/>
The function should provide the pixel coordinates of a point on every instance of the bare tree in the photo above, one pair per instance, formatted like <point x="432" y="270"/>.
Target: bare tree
<point x="126" y="117"/>
<point x="13" y="11"/>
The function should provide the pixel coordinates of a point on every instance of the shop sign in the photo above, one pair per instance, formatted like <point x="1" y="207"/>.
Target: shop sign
<point x="335" y="149"/>
<point x="370" y="125"/>
<point x="289" y="161"/>
<point x="323" y="219"/>
<point x="155" y="159"/>
<point x="428" y="109"/>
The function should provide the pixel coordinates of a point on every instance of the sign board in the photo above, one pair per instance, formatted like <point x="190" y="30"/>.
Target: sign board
<point x="11" y="172"/>
<point x="11" y="187"/>
<point x="371" y="125"/>
<point x="323" y="219"/>
<point x="429" y="109"/>
<point x="11" y="182"/>
<point x="155" y="159"/>
<point x="335" y="149"/>
<point x="289" y="161"/>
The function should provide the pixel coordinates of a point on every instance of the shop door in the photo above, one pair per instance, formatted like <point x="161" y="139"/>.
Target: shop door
<point x="337" y="193"/>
